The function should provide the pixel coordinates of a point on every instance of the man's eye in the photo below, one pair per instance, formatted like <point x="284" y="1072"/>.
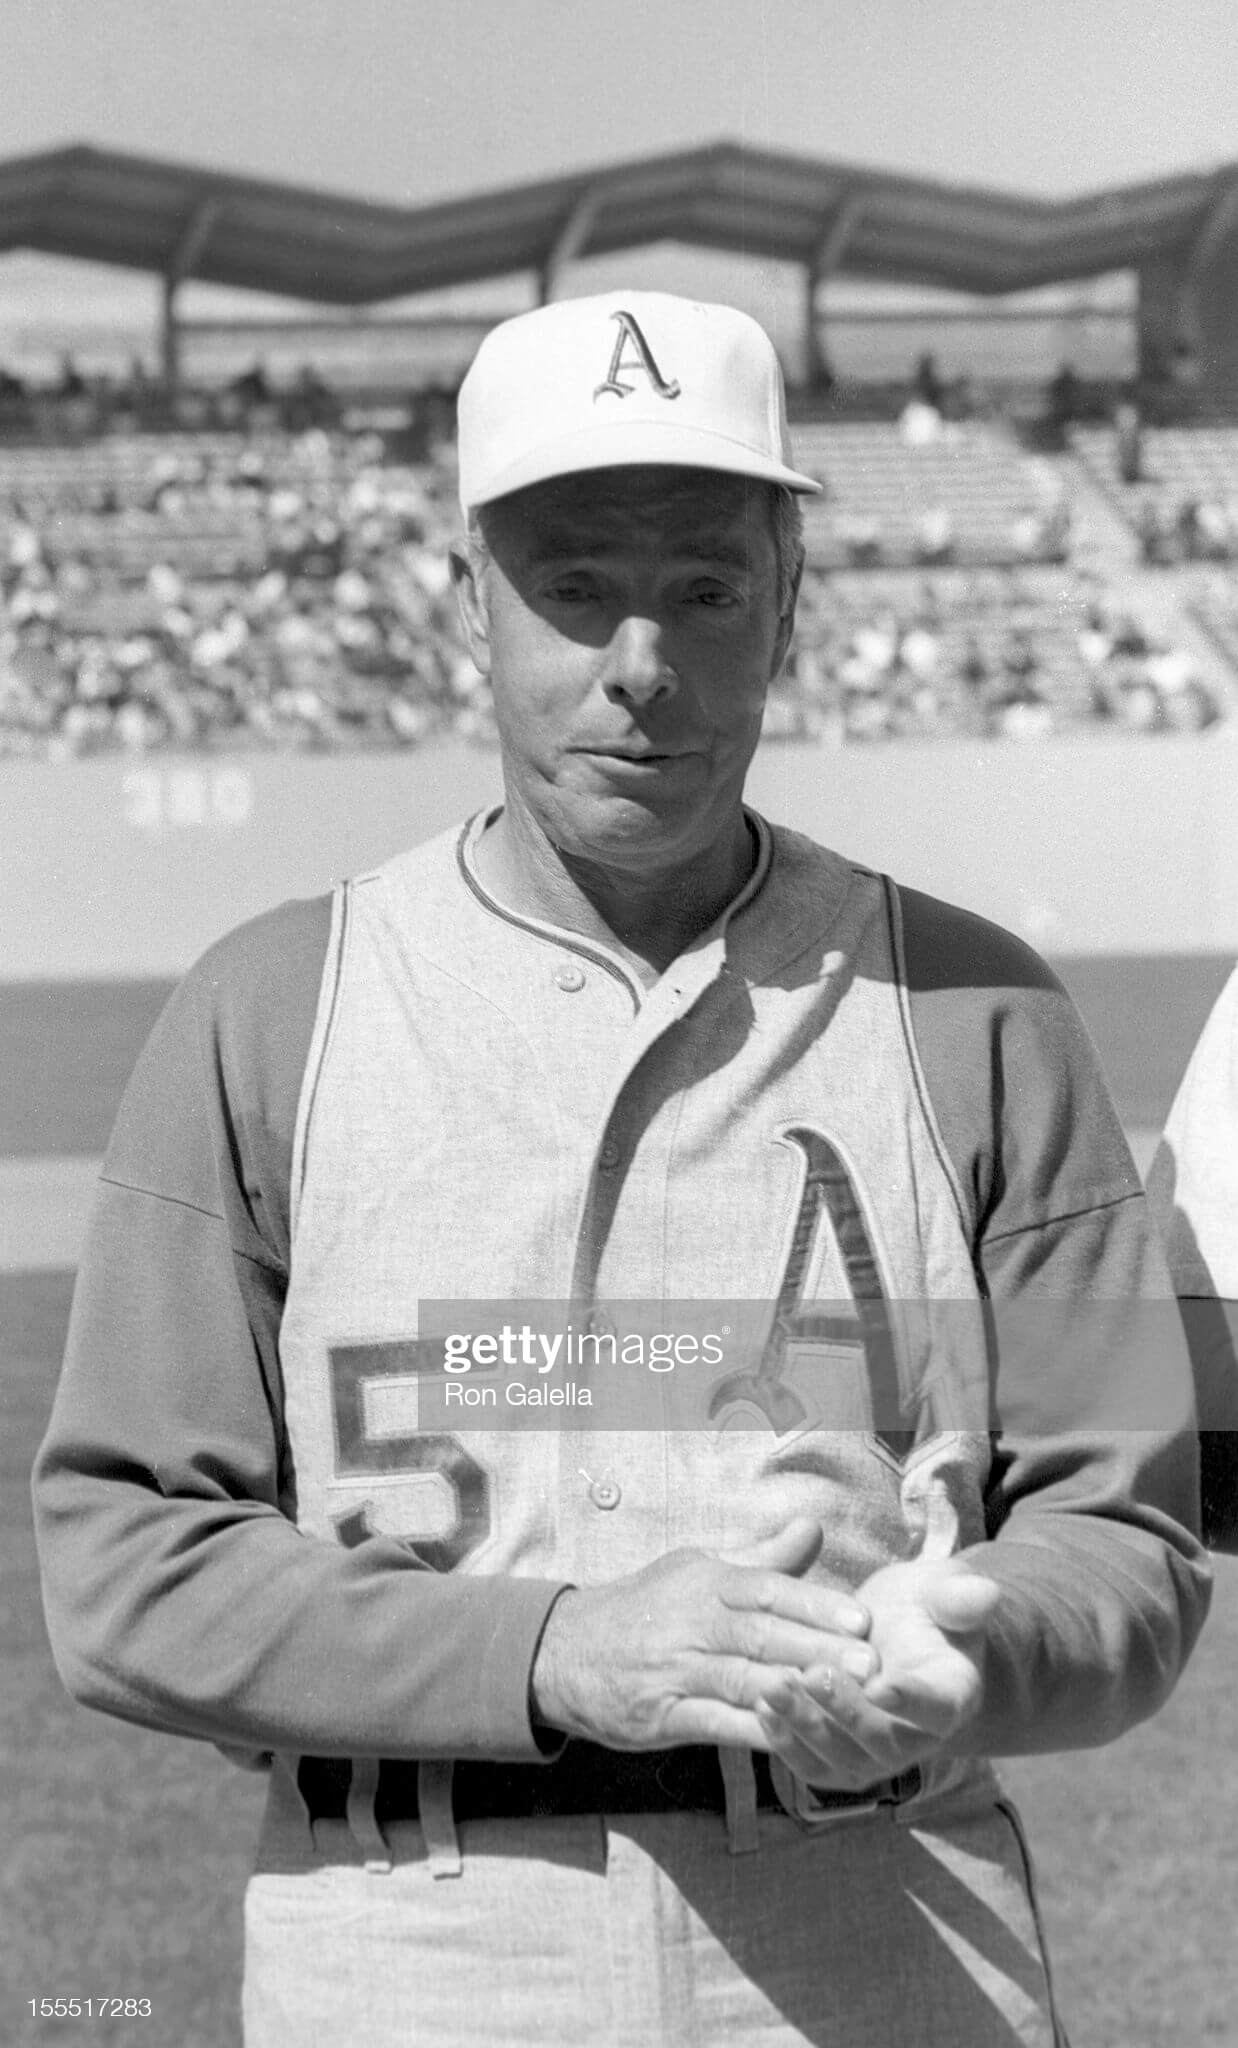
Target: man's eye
<point x="714" y="596"/>
<point x="570" y="590"/>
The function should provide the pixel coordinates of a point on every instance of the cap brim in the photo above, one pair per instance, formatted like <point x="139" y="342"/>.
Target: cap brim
<point x="627" y="444"/>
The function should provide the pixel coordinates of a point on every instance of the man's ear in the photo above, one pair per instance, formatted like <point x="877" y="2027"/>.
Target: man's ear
<point x="465" y="565"/>
<point x="786" y="623"/>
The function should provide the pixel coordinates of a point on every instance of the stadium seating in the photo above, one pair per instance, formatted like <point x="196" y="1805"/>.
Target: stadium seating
<point x="1212" y="600"/>
<point x="992" y="654"/>
<point x="1184" y="505"/>
<point x="967" y="493"/>
<point x="219" y="590"/>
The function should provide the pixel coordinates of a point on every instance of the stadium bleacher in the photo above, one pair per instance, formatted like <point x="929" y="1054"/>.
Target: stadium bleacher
<point x="1211" y="599"/>
<point x="929" y="490"/>
<point x="289" y="589"/>
<point x="1184" y="502"/>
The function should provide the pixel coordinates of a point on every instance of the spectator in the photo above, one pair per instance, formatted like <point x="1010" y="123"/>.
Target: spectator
<point x="1189" y="530"/>
<point x="1158" y="544"/>
<point x="862" y="540"/>
<point x="934" y="536"/>
<point x="14" y="404"/>
<point x="1062" y="397"/>
<point x="927" y="383"/>
<point x="251" y="386"/>
<point x="1128" y="436"/>
<point x="1184" y="369"/>
<point x="311" y="402"/>
<point x="72" y="383"/>
<point x="919" y="423"/>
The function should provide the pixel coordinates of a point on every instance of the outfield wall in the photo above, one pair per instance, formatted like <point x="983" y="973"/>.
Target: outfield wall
<point x="127" y="869"/>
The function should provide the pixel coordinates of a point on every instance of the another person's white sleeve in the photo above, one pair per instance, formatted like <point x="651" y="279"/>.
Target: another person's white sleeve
<point x="1193" y="1185"/>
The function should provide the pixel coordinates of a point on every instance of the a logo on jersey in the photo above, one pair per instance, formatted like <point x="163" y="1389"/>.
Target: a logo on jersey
<point x="828" y="1200"/>
<point x="640" y="360"/>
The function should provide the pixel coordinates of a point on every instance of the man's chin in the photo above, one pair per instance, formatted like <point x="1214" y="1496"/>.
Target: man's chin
<point x="656" y="814"/>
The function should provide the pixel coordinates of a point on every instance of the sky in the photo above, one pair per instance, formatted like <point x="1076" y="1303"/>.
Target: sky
<point x="407" y="101"/>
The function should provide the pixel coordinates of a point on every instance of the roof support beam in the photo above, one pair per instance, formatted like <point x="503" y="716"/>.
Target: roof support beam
<point x="571" y="241"/>
<point x="821" y="266"/>
<point x="197" y="233"/>
<point x="1219" y="224"/>
<point x="180" y="265"/>
<point x="169" y="338"/>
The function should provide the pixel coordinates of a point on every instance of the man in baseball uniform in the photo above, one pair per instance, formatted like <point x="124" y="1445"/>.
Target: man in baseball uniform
<point x="597" y="1730"/>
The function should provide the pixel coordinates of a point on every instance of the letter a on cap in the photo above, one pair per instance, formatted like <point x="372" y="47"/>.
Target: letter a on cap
<point x="629" y="331"/>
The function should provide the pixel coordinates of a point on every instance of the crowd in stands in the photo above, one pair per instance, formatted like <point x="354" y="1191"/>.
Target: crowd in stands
<point x="1188" y="529"/>
<point x="339" y="628"/>
<point x="1177" y="486"/>
<point x="275" y="589"/>
<point x="998" y="655"/>
<point x="930" y="493"/>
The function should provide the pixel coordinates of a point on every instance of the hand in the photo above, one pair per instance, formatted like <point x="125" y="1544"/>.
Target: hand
<point x="683" y="1651"/>
<point x="928" y="1618"/>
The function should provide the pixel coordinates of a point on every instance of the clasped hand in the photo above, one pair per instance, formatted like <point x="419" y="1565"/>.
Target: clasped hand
<point x="744" y="1650"/>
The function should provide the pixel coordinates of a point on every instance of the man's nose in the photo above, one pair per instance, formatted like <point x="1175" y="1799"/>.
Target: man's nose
<point x="636" y="669"/>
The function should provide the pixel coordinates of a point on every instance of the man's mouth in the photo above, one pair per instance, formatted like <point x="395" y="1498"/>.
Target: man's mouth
<point x="641" y="756"/>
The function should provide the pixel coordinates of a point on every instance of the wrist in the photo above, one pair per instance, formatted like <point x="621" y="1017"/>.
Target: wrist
<point x="550" y="1678"/>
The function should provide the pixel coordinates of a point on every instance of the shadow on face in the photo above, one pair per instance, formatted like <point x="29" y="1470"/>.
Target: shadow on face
<point x="708" y="516"/>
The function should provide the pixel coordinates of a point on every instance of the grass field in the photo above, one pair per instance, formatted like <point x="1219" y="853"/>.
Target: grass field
<point x="125" y="1853"/>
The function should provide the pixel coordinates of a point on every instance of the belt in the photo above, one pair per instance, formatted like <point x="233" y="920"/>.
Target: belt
<point x="584" y="1778"/>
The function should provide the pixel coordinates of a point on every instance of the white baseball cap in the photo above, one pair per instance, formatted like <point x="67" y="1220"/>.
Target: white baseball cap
<point x="629" y="377"/>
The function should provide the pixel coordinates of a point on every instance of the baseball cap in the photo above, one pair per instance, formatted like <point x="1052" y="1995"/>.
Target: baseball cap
<point x="623" y="378"/>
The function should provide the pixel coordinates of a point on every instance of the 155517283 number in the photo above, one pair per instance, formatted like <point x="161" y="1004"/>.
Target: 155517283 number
<point x="90" y="2008"/>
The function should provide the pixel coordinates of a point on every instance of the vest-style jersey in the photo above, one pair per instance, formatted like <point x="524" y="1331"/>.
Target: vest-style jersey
<point x="494" y="1110"/>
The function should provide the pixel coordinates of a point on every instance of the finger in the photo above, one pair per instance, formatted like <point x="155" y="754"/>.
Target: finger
<point x="806" y="1601"/>
<point x="961" y="1600"/>
<point x="892" y="1722"/>
<point x="766" y="1640"/>
<point x="791" y="1549"/>
<point x="937" y="1711"/>
<point x="842" y="1769"/>
<point x="815" y="1746"/>
<point x="826" y="1708"/>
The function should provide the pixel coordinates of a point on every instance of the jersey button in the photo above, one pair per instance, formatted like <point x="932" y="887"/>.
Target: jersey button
<point x="569" y="977"/>
<point x="605" y="1493"/>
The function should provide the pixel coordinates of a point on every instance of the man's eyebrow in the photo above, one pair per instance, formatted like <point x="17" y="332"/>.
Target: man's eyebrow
<point x="575" y="545"/>
<point x="725" y="554"/>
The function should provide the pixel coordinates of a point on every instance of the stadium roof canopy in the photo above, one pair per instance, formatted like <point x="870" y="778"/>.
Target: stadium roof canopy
<point x="178" y="221"/>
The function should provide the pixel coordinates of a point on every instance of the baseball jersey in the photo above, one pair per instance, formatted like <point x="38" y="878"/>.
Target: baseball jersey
<point x="413" y="1091"/>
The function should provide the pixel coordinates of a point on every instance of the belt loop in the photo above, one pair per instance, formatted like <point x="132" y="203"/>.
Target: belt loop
<point x="438" y="1822"/>
<point x="362" y="1817"/>
<point x="740" y="1787"/>
<point x="286" y="1764"/>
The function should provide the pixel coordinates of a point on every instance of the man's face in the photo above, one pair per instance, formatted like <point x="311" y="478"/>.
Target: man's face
<point x="628" y="621"/>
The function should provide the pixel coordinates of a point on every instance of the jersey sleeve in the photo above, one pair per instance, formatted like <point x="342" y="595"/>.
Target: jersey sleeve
<point x="1092" y="1508"/>
<point x="178" y="1593"/>
<point x="1193" y="1189"/>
